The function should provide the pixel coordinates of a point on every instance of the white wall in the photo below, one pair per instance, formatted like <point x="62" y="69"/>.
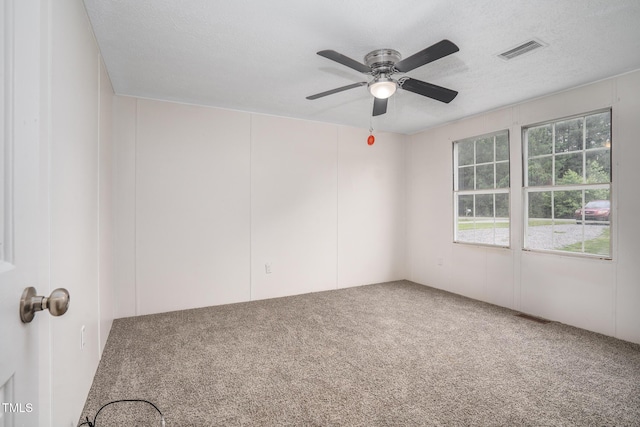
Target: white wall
<point x="192" y="207"/>
<point x="593" y="294"/>
<point x="206" y="197"/>
<point x="77" y="103"/>
<point x="124" y="186"/>
<point x="293" y="206"/>
<point x="106" y="210"/>
<point x="627" y="177"/>
<point x="371" y="207"/>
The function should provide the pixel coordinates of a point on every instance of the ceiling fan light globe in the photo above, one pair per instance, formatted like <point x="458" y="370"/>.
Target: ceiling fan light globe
<point x="383" y="89"/>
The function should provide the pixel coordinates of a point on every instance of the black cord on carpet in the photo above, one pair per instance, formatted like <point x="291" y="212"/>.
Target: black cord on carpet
<point x="90" y="423"/>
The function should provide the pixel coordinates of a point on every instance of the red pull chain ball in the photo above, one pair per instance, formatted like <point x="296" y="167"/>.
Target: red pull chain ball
<point x="371" y="139"/>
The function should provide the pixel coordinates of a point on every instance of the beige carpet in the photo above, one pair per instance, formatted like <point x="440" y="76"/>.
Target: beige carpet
<point x="391" y="354"/>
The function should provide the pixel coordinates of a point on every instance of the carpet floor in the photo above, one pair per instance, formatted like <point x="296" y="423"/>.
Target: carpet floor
<point x="391" y="354"/>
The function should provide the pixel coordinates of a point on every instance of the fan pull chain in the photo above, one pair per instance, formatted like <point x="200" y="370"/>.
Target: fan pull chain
<point x="371" y="139"/>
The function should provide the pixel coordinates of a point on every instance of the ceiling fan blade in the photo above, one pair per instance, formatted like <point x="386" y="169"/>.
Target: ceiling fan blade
<point x="336" y="90"/>
<point x="344" y="60"/>
<point x="436" y="51"/>
<point x="438" y="93"/>
<point x="379" y="106"/>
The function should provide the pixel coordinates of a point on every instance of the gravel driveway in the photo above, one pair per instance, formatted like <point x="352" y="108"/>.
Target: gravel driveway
<point x="540" y="237"/>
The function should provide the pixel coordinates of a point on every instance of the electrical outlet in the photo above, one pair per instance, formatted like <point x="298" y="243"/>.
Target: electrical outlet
<point x="267" y="268"/>
<point x="82" y="340"/>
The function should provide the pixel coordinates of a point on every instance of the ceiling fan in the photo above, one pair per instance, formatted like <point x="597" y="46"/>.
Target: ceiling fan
<point x="382" y="64"/>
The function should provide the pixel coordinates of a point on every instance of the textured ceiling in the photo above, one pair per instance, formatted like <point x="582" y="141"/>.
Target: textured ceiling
<point x="260" y="56"/>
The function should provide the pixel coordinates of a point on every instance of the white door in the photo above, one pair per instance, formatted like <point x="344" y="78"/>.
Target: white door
<point x="21" y="223"/>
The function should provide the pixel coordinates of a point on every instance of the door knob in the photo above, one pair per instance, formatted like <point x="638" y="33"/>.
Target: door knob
<point x="57" y="303"/>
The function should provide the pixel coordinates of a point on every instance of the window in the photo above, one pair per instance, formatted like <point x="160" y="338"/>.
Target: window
<point x="481" y="189"/>
<point x="567" y="183"/>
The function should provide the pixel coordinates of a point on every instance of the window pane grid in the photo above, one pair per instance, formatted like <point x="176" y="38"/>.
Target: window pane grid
<point x="542" y="156"/>
<point x="481" y="190"/>
<point x="490" y="191"/>
<point x="567" y="185"/>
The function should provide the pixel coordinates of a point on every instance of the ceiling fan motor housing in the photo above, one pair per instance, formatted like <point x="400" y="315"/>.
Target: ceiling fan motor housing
<point x="381" y="61"/>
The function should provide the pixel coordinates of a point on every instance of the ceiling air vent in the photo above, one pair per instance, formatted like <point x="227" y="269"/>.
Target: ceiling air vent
<point x="521" y="49"/>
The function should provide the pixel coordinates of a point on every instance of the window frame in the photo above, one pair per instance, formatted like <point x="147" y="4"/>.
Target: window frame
<point x="554" y="188"/>
<point x="483" y="191"/>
